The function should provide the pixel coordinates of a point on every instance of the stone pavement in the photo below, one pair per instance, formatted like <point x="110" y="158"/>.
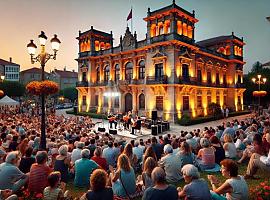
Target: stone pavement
<point x="146" y="133"/>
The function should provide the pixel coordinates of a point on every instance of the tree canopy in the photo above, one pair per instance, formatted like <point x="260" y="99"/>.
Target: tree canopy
<point x="12" y="88"/>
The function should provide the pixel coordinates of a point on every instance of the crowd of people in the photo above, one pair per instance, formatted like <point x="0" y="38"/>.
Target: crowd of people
<point x="108" y="167"/>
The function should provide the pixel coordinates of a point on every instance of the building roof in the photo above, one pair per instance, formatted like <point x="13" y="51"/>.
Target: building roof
<point x="33" y="70"/>
<point x="66" y="74"/>
<point x="216" y="40"/>
<point x="4" y="62"/>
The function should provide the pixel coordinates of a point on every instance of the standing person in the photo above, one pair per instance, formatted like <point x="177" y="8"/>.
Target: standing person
<point x="235" y="187"/>
<point x="83" y="169"/>
<point x="227" y="112"/>
<point x="161" y="189"/>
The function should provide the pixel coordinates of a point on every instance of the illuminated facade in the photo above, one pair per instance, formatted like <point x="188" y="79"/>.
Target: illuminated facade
<point x="167" y="71"/>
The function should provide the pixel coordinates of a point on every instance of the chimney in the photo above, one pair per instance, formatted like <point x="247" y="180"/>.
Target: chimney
<point x="10" y="59"/>
<point x="73" y="70"/>
<point x="65" y="68"/>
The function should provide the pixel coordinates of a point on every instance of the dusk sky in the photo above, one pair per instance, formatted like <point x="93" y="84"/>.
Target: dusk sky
<point x="22" y="20"/>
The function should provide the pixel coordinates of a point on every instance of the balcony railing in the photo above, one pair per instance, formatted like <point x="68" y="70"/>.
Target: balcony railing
<point x="84" y="54"/>
<point x="99" y="83"/>
<point x="82" y="84"/>
<point x="157" y="79"/>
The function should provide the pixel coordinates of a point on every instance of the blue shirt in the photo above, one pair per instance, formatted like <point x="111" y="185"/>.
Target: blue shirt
<point x="83" y="169"/>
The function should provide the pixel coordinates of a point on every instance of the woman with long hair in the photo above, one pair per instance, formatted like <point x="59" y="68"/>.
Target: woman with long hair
<point x="148" y="167"/>
<point x="123" y="179"/>
<point x="149" y="153"/>
<point x="132" y="157"/>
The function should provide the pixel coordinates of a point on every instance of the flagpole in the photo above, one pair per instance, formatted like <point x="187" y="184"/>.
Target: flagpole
<point x="131" y="21"/>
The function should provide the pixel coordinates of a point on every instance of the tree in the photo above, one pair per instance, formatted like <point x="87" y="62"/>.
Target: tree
<point x="12" y="88"/>
<point x="70" y="93"/>
<point x="256" y="67"/>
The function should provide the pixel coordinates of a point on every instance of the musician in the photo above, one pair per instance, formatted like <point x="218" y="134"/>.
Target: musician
<point x="112" y="120"/>
<point x="136" y="125"/>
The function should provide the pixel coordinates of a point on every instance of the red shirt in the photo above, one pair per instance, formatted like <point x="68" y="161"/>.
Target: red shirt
<point x="38" y="178"/>
<point x="100" y="161"/>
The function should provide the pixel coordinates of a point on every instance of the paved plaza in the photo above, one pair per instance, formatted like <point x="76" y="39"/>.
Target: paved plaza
<point x="146" y="133"/>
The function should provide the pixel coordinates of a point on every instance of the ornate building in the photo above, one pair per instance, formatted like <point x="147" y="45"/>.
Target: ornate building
<point x="167" y="71"/>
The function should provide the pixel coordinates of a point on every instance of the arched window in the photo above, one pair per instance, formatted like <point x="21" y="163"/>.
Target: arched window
<point x="179" y="28"/>
<point x="129" y="71"/>
<point x="185" y="29"/>
<point x="153" y="30"/>
<point x="142" y="69"/>
<point x="189" y="32"/>
<point x="141" y="101"/>
<point x="117" y="73"/>
<point x="84" y="79"/>
<point x="96" y="45"/>
<point x="98" y="74"/>
<point x="106" y="73"/>
<point x="160" y="29"/>
<point x="167" y="27"/>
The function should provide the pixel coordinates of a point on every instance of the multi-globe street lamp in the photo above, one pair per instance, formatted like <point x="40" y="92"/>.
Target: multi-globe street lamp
<point x="42" y="58"/>
<point x="259" y="80"/>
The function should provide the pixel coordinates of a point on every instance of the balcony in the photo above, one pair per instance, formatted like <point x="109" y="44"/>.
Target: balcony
<point x="84" y="54"/>
<point x="82" y="84"/>
<point x="99" y="83"/>
<point x="157" y="80"/>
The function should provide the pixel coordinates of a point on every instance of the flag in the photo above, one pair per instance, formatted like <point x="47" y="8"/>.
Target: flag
<point x="129" y="15"/>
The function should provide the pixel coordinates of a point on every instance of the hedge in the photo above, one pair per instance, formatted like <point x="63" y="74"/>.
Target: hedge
<point x="92" y="115"/>
<point x="187" y="121"/>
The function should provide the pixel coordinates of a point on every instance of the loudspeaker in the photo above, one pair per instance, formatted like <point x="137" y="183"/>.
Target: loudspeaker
<point x="100" y="129"/>
<point x="154" y="129"/>
<point x="154" y="115"/>
<point x="113" y="131"/>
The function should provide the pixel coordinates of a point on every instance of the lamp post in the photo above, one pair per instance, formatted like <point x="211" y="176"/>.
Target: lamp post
<point x="259" y="80"/>
<point x="42" y="58"/>
<point x="2" y="78"/>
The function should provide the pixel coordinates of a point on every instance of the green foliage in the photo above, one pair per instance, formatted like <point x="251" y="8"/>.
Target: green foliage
<point x="69" y="93"/>
<point x="92" y="115"/>
<point x="12" y="88"/>
<point x="250" y="86"/>
<point x="214" y="110"/>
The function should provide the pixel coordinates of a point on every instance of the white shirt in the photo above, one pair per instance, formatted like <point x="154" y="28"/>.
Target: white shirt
<point x="266" y="160"/>
<point x="76" y="155"/>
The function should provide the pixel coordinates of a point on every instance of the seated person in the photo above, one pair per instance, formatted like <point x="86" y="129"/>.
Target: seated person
<point x="137" y="125"/>
<point x="206" y="155"/>
<point x="196" y="188"/>
<point x="112" y="120"/>
<point x="53" y="191"/>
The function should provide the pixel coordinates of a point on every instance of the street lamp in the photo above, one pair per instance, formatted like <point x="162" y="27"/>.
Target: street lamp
<point x="2" y="78"/>
<point x="42" y="58"/>
<point x="259" y="80"/>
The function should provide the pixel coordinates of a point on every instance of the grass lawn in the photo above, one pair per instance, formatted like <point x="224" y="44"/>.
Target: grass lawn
<point x="78" y="192"/>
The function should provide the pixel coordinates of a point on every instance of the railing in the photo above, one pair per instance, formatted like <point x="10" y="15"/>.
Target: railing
<point x="84" y="54"/>
<point x="99" y="83"/>
<point x="82" y="84"/>
<point x="157" y="79"/>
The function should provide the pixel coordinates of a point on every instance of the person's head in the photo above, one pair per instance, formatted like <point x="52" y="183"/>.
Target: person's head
<point x="98" y="152"/>
<point x="204" y="142"/>
<point x="228" y="138"/>
<point x="158" y="176"/>
<point x="149" y="152"/>
<point x="123" y="163"/>
<point x="229" y="168"/>
<point x="98" y="180"/>
<point x="41" y="157"/>
<point x="190" y="172"/>
<point x="149" y="165"/>
<point x="80" y="145"/>
<point x="110" y="144"/>
<point x="267" y="137"/>
<point x="85" y="153"/>
<point x="63" y="150"/>
<point x="128" y="150"/>
<point x="257" y="139"/>
<point x="214" y="140"/>
<point x="13" y="157"/>
<point x="153" y="140"/>
<point x="185" y="148"/>
<point x="54" y="179"/>
<point x="168" y="149"/>
<point x="28" y="152"/>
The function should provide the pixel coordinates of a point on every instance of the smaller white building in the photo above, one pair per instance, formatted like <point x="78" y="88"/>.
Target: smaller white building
<point x="10" y="70"/>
